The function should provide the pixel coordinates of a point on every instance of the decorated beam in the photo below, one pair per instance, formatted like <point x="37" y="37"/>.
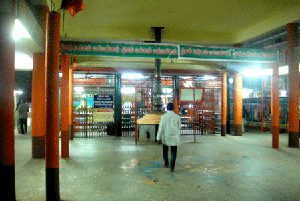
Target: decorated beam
<point x="144" y="70"/>
<point x="168" y="51"/>
<point x="225" y="54"/>
<point x="120" y="50"/>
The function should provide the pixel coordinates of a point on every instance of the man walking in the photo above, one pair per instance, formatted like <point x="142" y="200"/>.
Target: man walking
<point x="23" y="109"/>
<point x="169" y="134"/>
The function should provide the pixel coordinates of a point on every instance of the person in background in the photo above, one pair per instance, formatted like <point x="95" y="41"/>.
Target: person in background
<point x="169" y="135"/>
<point x="23" y="109"/>
<point x="18" y="121"/>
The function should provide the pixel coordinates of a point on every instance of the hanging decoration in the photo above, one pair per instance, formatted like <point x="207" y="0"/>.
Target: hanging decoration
<point x="73" y="6"/>
<point x="74" y="61"/>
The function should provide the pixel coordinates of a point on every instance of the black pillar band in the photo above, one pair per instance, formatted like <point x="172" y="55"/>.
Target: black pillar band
<point x="7" y="175"/>
<point x="71" y="134"/>
<point x="294" y="139"/>
<point x="223" y="130"/>
<point x="52" y="184"/>
<point x="38" y="146"/>
<point x="238" y="130"/>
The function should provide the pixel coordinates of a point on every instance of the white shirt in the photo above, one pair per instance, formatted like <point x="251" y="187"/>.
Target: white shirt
<point x="23" y="109"/>
<point x="169" y="129"/>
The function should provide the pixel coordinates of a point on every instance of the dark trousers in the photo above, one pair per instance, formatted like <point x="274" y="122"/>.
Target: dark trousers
<point x="173" y="156"/>
<point x="23" y="125"/>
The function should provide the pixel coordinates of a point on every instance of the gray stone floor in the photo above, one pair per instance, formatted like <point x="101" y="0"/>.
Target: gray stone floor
<point x="214" y="168"/>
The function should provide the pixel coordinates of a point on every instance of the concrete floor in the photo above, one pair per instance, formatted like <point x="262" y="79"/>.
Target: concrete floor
<point x="215" y="168"/>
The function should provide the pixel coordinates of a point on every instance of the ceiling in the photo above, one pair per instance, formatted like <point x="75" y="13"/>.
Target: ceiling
<point x="202" y="22"/>
<point x="193" y="21"/>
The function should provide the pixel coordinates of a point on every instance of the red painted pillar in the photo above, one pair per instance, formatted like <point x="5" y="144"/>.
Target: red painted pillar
<point x="292" y="38"/>
<point x="238" y="101"/>
<point x="71" y="103"/>
<point x="275" y="106"/>
<point x="238" y="104"/>
<point x="65" y="63"/>
<point x="7" y="82"/>
<point x="38" y="98"/>
<point x="224" y="104"/>
<point x="52" y="108"/>
<point x="39" y="91"/>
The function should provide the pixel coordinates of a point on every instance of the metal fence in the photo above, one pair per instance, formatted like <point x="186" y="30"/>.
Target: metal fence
<point x="200" y="119"/>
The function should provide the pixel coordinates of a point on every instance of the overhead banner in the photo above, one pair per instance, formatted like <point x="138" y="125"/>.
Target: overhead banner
<point x="172" y="51"/>
<point x="247" y="55"/>
<point x="120" y="50"/>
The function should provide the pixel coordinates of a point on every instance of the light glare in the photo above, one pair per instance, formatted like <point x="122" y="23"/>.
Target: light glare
<point x="208" y="77"/>
<point x="20" y="31"/>
<point x="78" y="89"/>
<point x="132" y="76"/>
<point x="18" y="92"/>
<point x="188" y="84"/>
<point x="128" y="90"/>
<point x="23" y="61"/>
<point x="283" y="93"/>
<point x="257" y="72"/>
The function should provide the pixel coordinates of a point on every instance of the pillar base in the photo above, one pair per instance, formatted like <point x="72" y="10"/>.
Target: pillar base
<point x="52" y="184"/>
<point x="275" y="137"/>
<point x="71" y="134"/>
<point x="238" y="130"/>
<point x="223" y="130"/>
<point x="7" y="175"/>
<point x="294" y="139"/>
<point x="65" y="144"/>
<point x="38" y="146"/>
<point x="118" y="130"/>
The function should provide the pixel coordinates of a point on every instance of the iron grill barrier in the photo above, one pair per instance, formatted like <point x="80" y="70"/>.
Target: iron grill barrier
<point x="200" y="119"/>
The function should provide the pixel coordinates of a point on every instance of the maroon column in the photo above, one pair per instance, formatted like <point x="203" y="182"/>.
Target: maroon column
<point x="292" y="40"/>
<point x="224" y="104"/>
<point x="38" y="98"/>
<point x="52" y="108"/>
<point x="275" y="106"/>
<point x="71" y="103"/>
<point x="7" y="82"/>
<point x="238" y="104"/>
<point x="65" y="62"/>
